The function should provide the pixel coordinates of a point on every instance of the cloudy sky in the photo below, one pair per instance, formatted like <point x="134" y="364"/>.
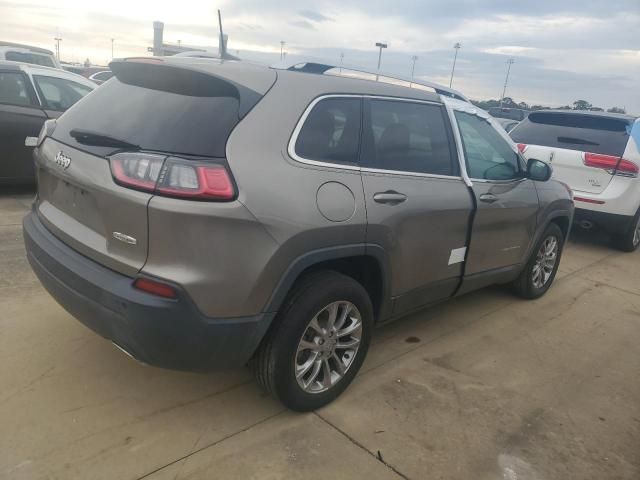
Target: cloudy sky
<point x="564" y="50"/>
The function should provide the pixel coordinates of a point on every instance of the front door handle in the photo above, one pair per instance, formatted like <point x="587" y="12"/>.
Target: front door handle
<point x="488" y="197"/>
<point x="390" y="197"/>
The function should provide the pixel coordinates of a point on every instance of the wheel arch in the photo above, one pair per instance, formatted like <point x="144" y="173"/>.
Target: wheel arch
<point x="367" y="264"/>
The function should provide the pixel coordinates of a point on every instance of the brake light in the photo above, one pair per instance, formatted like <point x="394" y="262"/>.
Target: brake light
<point x="612" y="164"/>
<point x="522" y="147"/>
<point x="197" y="181"/>
<point x="155" y="288"/>
<point x="173" y="177"/>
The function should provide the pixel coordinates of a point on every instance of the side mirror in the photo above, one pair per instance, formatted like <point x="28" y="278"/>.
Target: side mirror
<point x="538" y="170"/>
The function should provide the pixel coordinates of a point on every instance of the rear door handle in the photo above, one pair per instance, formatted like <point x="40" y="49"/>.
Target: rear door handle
<point x="390" y="197"/>
<point x="488" y="197"/>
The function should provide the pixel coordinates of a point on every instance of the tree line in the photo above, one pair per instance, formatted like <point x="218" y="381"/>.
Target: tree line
<point x="508" y="102"/>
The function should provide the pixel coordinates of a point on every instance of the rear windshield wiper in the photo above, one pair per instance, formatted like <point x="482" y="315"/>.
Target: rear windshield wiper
<point x="99" y="140"/>
<point x="576" y="141"/>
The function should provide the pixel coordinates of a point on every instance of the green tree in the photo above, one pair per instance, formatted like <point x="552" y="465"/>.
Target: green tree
<point x="581" y="105"/>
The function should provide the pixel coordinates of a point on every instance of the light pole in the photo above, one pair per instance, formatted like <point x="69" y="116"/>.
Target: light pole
<point x="341" y="60"/>
<point x="380" y="45"/>
<point x="58" y="40"/>
<point x="282" y="43"/>
<point x="414" y="58"/>
<point x="510" y="62"/>
<point x="112" y="40"/>
<point x="457" y="46"/>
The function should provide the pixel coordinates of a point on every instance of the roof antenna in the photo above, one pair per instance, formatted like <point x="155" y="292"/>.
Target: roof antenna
<point x="222" y="47"/>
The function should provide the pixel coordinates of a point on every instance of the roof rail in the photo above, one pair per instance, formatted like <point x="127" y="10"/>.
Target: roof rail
<point x="321" y="67"/>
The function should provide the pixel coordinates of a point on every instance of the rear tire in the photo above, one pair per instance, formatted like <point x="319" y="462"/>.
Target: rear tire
<point x="306" y="359"/>
<point x="539" y="272"/>
<point x="629" y="241"/>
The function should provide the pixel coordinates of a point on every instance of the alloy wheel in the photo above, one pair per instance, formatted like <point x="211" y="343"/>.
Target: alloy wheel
<point x="545" y="262"/>
<point x="328" y="347"/>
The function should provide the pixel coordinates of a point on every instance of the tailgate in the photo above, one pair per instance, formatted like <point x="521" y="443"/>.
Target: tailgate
<point x="82" y="205"/>
<point x="568" y="167"/>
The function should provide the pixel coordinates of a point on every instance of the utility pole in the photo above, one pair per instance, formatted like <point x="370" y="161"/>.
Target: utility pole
<point x="282" y="44"/>
<point x="58" y="40"/>
<point x="112" y="40"/>
<point x="414" y="58"/>
<point x="380" y="45"/>
<point x="510" y="62"/>
<point x="456" y="46"/>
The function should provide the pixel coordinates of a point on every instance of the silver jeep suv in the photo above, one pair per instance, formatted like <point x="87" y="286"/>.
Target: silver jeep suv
<point x="204" y="214"/>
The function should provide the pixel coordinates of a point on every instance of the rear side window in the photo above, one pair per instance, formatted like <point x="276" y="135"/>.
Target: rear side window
<point x="58" y="93"/>
<point x="489" y="156"/>
<point x="331" y="131"/>
<point x="13" y="89"/>
<point x="191" y="123"/>
<point x="32" y="58"/>
<point x="583" y="132"/>
<point x="407" y="137"/>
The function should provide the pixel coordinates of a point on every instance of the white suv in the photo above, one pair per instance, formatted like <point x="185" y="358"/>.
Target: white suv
<point x="598" y="155"/>
<point x="17" y="52"/>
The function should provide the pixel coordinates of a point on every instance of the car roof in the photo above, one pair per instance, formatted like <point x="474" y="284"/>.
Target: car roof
<point x="26" y="47"/>
<point x="48" y="71"/>
<point x="590" y="113"/>
<point x="259" y="77"/>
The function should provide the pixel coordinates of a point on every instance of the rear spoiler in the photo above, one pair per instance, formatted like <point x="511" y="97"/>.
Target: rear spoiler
<point x="155" y="74"/>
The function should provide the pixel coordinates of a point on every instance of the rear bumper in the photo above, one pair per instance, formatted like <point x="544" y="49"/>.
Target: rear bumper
<point x="608" y="221"/>
<point x="162" y="332"/>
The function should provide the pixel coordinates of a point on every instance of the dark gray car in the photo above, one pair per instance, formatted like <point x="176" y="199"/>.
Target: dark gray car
<point x="204" y="214"/>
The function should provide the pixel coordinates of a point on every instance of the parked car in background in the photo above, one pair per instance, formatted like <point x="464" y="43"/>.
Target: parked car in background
<point x="30" y="95"/>
<point x="507" y="124"/>
<point x="516" y="114"/>
<point x="100" y="77"/>
<point x="597" y="155"/>
<point x="17" y="52"/>
<point x="282" y="217"/>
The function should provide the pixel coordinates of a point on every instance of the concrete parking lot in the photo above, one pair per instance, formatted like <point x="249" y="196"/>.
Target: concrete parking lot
<point x="486" y="386"/>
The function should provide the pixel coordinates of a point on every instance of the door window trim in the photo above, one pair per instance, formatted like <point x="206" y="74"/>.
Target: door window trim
<point x="294" y="137"/>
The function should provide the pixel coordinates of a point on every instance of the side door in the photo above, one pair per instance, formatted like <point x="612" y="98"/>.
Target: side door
<point x="507" y="202"/>
<point x="418" y="206"/>
<point x="20" y="117"/>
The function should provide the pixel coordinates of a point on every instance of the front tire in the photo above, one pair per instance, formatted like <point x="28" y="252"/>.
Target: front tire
<point x="317" y="343"/>
<point x="630" y="240"/>
<point x="541" y="269"/>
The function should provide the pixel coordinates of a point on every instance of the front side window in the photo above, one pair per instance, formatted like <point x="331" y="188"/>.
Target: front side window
<point x="331" y="132"/>
<point x="59" y="94"/>
<point x="13" y="89"/>
<point x="489" y="156"/>
<point x="408" y="137"/>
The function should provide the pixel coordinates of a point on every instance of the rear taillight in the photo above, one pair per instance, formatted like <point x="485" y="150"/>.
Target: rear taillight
<point x="173" y="177"/>
<point x="612" y="164"/>
<point x="522" y="147"/>
<point x="155" y="288"/>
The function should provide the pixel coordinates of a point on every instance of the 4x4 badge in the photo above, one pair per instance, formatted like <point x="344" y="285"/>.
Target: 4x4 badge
<point x="124" y="238"/>
<point x="62" y="160"/>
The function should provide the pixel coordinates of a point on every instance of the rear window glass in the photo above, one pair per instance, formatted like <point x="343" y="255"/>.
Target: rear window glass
<point x="587" y="133"/>
<point x="154" y="120"/>
<point x="32" y="58"/>
<point x="331" y="132"/>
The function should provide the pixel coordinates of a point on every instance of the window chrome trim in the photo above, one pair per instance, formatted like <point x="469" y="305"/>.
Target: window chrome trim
<point x="462" y="161"/>
<point x="318" y="163"/>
